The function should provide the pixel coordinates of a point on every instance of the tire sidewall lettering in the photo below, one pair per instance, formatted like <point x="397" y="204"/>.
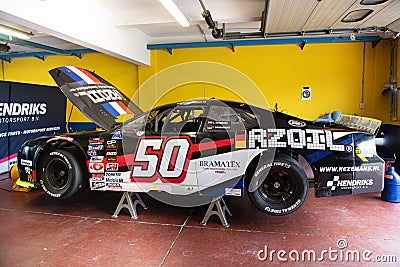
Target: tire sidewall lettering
<point x="62" y="156"/>
<point x="48" y="191"/>
<point x="270" y="165"/>
<point x="284" y="210"/>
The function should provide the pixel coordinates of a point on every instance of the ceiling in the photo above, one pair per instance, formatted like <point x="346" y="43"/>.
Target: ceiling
<point x="123" y="28"/>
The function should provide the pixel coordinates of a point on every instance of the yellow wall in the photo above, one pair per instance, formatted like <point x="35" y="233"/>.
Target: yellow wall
<point x="333" y="71"/>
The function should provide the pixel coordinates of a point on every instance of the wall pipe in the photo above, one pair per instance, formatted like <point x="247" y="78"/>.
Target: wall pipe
<point x="281" y="41"/>
<point x="41" y="55"/>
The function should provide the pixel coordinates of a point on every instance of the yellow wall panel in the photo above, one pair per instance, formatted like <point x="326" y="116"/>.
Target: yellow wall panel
<point x="197" y="91"/>
<point x="333" y="71"/>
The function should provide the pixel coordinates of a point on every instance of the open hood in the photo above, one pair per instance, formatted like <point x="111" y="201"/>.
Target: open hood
<point x="99" y="100"/>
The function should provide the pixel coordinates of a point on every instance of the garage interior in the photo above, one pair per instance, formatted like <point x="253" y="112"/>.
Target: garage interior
<point x="345" y="51"/>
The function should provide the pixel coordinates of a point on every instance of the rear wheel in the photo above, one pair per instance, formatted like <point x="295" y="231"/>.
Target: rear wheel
<point x="61" y="173"/>
<point x="282" y="186"/>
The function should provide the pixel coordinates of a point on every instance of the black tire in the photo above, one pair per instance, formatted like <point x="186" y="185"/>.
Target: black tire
<point x="61" y="173"/>
<point x="282" y="186"/>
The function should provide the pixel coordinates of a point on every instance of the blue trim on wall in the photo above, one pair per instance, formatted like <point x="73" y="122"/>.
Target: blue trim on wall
<point x="76" y="52"/>
<point x="306" y="40"/>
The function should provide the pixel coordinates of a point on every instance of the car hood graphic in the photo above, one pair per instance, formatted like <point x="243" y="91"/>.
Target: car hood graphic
<point x="99" y="100"/>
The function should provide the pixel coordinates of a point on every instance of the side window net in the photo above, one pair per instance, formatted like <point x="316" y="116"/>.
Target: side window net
<point x="184" y="119"/>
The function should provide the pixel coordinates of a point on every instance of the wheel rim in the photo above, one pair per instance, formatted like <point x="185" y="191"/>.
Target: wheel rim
<point x="277" y="188"/>
<point x="57" y="174"/>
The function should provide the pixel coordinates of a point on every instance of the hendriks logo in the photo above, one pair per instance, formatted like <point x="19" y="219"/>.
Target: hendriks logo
<point x="332" y="184"/>
<point x="22" y="109"/>
<point x="347" y="184"/>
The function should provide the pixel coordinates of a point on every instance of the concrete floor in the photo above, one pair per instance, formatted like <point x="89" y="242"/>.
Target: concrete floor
<point x="36" y="230"/>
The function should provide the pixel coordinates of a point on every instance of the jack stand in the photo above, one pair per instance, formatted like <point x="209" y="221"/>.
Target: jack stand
<point x="222" y="208"/>
<point x="130" y="205"/>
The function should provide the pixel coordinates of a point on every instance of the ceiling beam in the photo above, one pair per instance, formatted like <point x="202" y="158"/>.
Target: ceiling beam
<point x="85" y="23"/>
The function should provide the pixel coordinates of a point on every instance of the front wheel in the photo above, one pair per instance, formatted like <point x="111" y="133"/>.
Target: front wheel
<point x="281" y="186"/>
<point x="61" y="174"/>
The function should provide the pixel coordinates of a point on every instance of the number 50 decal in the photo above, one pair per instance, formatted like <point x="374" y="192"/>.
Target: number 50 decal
<point x="166" y="159"/>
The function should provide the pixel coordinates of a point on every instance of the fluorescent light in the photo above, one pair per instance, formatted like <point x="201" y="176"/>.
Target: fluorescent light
<point x="14" y="33"/>
<point x="357" y="15"/>
<point x="175" y="12"/>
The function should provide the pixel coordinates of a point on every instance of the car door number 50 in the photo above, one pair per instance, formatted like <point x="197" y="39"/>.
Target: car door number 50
<point x="166" y="159"/>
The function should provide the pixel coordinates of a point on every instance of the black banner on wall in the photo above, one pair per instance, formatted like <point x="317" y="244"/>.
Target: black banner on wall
<point x="27" y="111"/>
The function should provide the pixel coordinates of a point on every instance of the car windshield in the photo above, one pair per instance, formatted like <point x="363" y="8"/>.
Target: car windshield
<point x="136" y="124"/>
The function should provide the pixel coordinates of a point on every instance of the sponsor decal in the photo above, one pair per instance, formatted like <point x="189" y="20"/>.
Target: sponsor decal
<point x="220" y="163"/>
<point x="112" y="174"/>
<point x="294" y="138"/>
<point x="296" y="123"/>
<point x="218" y="125"/>
<point x="236" y="192"/>
<point x="22" y="109"/>
<point x="364" y="152"/>
<point x="98" y="93"/>
<point x="91" y="152"/>
<point x="114" y="180"/>
<point x="111" y="152"/>
<point x="96" y="147"/>
<point x="219" y="166"/>
<point x="362" y="168"/>
<point x="111" y="144"/>
<point x="28" y="131"/>
<point x="96" y="167"/>
<point x="96" y="159"/>
<point x="30" y="177"/>
<point x="64" y="138"/>
<point x="240" y="140"/>
<point x="28" y="170"/>
<point x="349" y="184"/>
<point x="97" y="177"/>
<point x="117" y="135"/>
<point x="112" y="167"/>
<point x="114" y="186"/>
<point x="140" y="133"/>
<point x="96" y="141"/>
<point x="210" y="125"/>
<point x="111" y="158"/>
<point x="98" y="185"/>
<point x="26" y="162"/>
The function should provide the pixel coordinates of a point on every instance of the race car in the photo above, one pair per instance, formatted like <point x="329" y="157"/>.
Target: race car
<point x="200" y="148"/>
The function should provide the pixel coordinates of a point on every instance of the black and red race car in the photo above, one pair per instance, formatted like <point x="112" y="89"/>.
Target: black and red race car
<point x="201" y="148"/>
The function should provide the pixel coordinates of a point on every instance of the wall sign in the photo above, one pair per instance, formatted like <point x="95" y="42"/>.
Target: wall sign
<point x="306" y="93"/>
<point x="27" y="111"/>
